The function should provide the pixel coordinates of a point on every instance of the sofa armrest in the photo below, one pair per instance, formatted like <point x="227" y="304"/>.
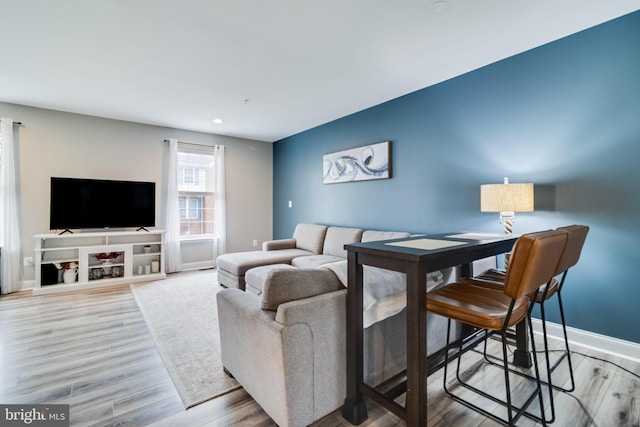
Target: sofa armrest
<point x="284" y="285"/>
<point x="272" y="362"/>
<point x="274" y="245"/>
<point x="325" y="316"/>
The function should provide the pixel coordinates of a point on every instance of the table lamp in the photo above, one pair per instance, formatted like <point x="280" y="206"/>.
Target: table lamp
<point x="507" y="199"/>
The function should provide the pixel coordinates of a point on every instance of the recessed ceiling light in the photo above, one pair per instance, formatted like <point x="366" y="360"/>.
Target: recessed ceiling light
<point x="218" y="121"/>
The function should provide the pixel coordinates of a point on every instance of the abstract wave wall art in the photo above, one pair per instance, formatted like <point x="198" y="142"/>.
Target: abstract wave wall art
<point x="358" y="164"/>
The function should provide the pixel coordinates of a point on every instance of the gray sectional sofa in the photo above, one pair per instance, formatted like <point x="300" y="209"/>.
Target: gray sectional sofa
<point x="283" y="338"/>
<point x="312" y="245"/>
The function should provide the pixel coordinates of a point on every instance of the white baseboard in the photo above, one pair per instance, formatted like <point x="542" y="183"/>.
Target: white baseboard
<point x="614" y="346"/>
<point x="199" y="265"/>
<point x="27" y="284"/>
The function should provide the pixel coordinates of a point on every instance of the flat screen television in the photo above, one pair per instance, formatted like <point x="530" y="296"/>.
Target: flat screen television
<point x="97" y="203"/>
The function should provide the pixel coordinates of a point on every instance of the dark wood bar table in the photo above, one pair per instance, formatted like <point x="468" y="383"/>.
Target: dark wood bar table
<point x="416" y="257"/>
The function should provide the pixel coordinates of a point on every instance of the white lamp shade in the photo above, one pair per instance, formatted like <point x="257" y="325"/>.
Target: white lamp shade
<point x="506" y="197"/>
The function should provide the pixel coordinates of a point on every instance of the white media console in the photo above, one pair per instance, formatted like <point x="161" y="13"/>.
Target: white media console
<point x="137" y="256"/>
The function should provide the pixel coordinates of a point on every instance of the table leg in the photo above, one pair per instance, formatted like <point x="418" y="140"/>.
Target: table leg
<point x="521" y="355"/>
<point x="354" y="409"/>
<point x="416" y="401"/>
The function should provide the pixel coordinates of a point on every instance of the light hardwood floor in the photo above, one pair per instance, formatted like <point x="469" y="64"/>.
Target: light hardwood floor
<point x="93" y="350"/>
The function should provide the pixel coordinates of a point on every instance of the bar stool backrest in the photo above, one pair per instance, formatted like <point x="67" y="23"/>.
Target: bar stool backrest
<point x="576" y="236"/>
<point x="533" y="262"/>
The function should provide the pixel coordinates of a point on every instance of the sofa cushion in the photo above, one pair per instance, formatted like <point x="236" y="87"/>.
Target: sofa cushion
<point x="284" y="285"/>
<point x="337" y="237"/>
<point x="256" y="277"/>
<point x="310" y="237"/>
<point x="276" y="245"/>
<point x="229" y="280"/>
<point x="373" y="235"/>
<point x="314" y="261"/>
<point x="238" y="263"/>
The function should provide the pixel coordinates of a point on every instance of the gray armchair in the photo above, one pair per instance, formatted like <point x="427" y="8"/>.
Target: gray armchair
<point x="288" y="352"/>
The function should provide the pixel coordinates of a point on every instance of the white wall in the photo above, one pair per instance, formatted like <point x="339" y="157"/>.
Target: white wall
<point x="54" y="143"/>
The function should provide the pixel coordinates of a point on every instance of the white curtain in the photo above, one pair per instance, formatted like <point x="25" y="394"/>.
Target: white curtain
<point x="219" y="205"/>
<point x="10" y="240"/>
<point x="173" y="252"/>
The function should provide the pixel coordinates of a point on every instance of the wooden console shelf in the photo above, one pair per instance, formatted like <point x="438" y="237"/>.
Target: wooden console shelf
<point x="138" y="256"/>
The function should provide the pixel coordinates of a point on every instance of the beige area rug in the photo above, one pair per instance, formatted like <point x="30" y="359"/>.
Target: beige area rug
<point x="182" y="315"/>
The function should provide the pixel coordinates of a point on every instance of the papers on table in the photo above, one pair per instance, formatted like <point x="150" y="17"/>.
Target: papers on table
<point x="426" y="244"/>
<point x="477" y="236"/>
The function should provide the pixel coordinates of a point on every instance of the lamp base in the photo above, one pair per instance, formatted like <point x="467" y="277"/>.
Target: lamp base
<point x="507" y="219"/>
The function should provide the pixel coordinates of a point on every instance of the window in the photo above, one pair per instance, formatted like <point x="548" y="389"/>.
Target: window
<point x="191" y="207"/>
<point x="196" y="184"/>
<point x="190" y="176"/>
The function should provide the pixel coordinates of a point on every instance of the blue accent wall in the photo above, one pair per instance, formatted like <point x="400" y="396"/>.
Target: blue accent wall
<point x="565" y="116"/>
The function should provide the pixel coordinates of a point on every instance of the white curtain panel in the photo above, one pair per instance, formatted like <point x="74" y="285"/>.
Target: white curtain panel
<point x="9" y="211"/>
<point x="173" y="253"/>
<point x="219" y="205"/>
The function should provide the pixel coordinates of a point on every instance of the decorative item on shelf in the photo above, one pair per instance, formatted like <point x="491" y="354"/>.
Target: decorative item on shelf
<point x="155" y="267"/>
<point x="147" y="249"/>
<point x="107" y="258"/>
<point x="96" y="273"/>
<point x="70" y="271"/>
<point x="117" y="271"/>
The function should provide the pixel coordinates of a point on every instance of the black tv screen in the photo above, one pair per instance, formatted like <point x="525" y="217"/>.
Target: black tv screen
<point x="96" y="203"/>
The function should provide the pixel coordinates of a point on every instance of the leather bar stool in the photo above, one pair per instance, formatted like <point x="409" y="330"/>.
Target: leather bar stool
<point x="533" y="261"/>
<point x="493" y="278"/>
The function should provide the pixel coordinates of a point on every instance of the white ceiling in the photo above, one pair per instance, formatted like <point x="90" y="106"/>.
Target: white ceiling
<point x="270" y="69"/>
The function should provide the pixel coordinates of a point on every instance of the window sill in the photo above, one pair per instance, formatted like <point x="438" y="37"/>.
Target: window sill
<point x="197" y="238"/>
